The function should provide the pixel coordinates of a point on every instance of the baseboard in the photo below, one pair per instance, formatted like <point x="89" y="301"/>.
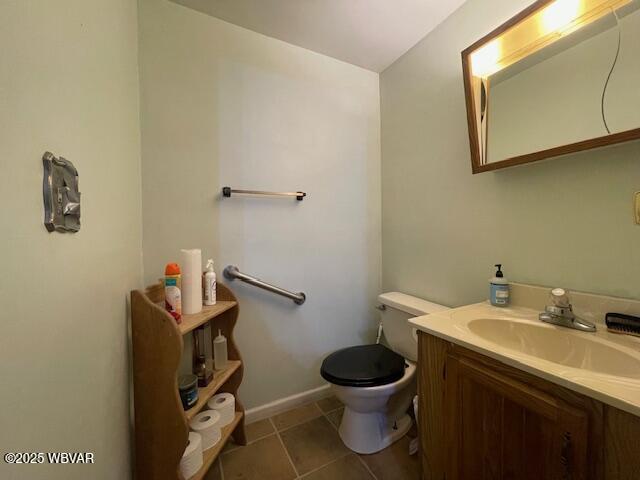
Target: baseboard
<point x="283" y="404"/>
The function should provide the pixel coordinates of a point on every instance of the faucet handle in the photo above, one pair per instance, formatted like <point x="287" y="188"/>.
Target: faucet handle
<point x="560" y="298"/>
<point x="561" y="313"/>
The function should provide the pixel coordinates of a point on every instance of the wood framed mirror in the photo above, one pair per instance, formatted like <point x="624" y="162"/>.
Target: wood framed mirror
<point x="562" y="76"/>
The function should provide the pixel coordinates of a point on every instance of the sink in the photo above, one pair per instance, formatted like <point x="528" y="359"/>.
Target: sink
<point x="571" y="349"/>
<point x="599" y="364"/>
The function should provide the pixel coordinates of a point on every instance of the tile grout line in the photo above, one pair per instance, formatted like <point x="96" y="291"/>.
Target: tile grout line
<point x="322" y="414"/>
<point x="295" y="470"/>
<point x="367" y="467"/>
<point x="326" y="464"/>
<point x="326" y="415"/>
<point x="296" y="424"/>
<point x="236" y="447"/>
<point x="277" y="432"/>
<point x="260" y="438"/>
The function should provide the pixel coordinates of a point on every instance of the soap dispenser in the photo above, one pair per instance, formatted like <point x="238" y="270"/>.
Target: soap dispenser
<point x="499" y="289"/>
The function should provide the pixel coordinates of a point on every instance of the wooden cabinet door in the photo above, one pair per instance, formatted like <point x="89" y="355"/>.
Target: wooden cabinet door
<point x="499" y="428"/>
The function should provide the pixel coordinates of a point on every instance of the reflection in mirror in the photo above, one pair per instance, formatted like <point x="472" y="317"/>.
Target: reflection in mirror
<point x="563" y="74"/>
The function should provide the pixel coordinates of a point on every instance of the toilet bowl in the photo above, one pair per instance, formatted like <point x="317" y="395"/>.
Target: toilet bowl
<point x="375" y="417"/>
<point x="376" y="383"/>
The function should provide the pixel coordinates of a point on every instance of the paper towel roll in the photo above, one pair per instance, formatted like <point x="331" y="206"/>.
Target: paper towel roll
<point x="191" y="281"/>
<point x="225" y="405"/>
<point x="192" y="457"/>
<point x="207" y="424"/>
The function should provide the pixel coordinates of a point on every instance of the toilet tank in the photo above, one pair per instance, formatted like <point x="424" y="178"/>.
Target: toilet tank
<point x="399" y="307"/>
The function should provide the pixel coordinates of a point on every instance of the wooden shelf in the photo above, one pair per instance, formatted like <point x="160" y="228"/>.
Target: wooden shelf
<point x="161" y="424"/>
<point x="211" y="454"/>
<point x="205" y="393"/>
<point x="193" y="321"/>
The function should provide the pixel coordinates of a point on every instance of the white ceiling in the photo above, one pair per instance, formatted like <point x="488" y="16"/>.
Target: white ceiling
<point x="368" y="33"/>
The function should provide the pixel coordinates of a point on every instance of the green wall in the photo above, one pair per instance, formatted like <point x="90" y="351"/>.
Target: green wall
<point x="222" y="105"/>
<point x="562" y="222"/>
<point x="68" y="84"/>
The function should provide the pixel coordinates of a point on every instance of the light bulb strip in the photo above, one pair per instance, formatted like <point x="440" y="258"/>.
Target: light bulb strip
<point x="529" y="36"/>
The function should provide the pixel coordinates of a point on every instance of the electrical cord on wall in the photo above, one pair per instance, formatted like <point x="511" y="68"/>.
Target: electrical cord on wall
<point x="613" y="66"/>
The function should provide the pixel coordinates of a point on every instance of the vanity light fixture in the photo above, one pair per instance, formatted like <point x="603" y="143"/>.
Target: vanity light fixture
<point x="486" y="60"/>
<point x="516" y="48"/>
<point x="543" y="26"/>
<point x="559" y="14"/>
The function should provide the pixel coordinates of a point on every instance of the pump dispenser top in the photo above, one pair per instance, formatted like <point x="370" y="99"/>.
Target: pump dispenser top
<point x="499" y="289"/>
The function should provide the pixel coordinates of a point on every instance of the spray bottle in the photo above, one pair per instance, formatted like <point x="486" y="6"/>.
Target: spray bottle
<point x="172" y="294"/>
<point x="209" y="284"/>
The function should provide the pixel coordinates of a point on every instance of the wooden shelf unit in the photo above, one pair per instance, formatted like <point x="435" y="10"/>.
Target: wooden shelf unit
<point x="161" y="424"/>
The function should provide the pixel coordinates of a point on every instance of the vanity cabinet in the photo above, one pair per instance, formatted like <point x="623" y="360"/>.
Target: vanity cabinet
<point x="522" y="432"/>
<point x="481" y="419"/>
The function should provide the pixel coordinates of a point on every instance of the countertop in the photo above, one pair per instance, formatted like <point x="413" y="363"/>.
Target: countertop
<point x="587" y="352"/>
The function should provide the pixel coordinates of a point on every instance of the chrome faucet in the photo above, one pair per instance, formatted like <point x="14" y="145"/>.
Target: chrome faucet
<point x="561" y="313"/>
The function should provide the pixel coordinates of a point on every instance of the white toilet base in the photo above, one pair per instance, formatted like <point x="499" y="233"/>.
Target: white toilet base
<point x="371" y="432"/>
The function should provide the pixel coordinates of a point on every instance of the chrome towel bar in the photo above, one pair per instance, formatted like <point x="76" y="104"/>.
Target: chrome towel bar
<point x="232" y="272"/>
<point x="227" y="191"/>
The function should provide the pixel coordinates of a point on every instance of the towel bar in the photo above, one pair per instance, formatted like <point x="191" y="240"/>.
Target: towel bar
<point x="227" y="191"/>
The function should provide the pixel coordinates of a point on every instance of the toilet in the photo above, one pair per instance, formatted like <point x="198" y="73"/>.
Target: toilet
<point x="377" y="383"/>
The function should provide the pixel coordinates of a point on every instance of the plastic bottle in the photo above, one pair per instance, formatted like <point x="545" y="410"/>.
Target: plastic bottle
<point x="499" y="289"/>
<point x="220" y="351"/>
<point x="209" y="284"/>
<point x="172" y="291"/>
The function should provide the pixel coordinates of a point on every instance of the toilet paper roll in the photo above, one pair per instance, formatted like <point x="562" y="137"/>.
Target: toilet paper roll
<point x="207" y="424"/>
<point x="192" y="457"/>
<point x="225" y="405"/>
<point x="191" y="268"/>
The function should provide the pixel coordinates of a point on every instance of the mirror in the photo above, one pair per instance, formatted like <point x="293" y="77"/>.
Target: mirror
<point x="560" y="77"/>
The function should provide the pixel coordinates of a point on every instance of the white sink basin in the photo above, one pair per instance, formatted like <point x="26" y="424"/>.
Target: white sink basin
<point x="571" y="349"/>
<point x="601" y="365"/>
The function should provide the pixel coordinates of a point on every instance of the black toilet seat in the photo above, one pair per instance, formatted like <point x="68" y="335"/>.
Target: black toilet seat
<point x="363" y="366"/>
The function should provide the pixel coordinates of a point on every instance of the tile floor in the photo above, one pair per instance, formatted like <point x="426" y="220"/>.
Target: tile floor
<point x="303" y="443"/>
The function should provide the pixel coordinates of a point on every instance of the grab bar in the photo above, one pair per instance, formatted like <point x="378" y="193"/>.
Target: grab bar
<point x="232" y="272"/>
<point x="227" y="191"/>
